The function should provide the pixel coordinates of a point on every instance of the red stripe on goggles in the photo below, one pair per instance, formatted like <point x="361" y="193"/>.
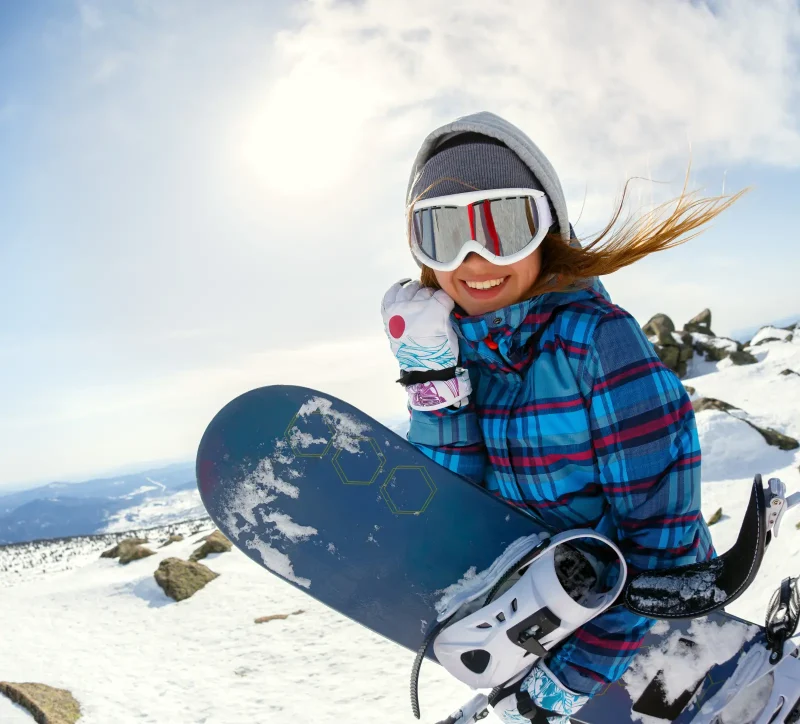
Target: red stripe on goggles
<point x="503" y="226"/>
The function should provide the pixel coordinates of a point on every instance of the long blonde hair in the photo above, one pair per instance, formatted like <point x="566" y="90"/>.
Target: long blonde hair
<point x="619" y="244"/>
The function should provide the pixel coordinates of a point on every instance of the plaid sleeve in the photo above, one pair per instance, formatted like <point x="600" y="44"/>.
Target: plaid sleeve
<point x="452" y="438"/>
<point x="648" y="457"/>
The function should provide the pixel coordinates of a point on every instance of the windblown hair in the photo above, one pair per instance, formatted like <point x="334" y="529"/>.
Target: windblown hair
<point x="619" y="244"/>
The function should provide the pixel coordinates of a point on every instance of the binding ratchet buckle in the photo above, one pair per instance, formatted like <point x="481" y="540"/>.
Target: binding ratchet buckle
<point x="777" y="504"/>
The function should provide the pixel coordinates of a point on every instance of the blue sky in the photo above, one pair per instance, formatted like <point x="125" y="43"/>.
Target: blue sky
<point x="197" y="203"/>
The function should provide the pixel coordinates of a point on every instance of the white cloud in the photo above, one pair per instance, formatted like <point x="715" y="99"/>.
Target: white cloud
<point x="605" y="89"/>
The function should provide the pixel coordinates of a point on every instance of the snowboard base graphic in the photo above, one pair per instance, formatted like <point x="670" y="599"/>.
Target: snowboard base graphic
<point x="350" y="513"/>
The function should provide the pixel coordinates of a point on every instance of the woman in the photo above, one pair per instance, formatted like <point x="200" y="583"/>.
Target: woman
<point x="524" y="377"/>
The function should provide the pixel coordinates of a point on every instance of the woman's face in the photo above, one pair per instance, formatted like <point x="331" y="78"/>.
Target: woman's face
<point x="468" y="287"/>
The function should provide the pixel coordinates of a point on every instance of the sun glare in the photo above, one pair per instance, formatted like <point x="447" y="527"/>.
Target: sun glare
<point x="297" y="140"/>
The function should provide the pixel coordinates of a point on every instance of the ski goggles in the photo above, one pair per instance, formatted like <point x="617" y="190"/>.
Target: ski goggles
<point x="503" y="226"/>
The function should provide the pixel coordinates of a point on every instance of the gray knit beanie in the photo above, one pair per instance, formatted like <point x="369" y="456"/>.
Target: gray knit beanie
<point x="472" y="162"/>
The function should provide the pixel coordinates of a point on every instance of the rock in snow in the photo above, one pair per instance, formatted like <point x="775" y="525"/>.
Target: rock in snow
<point x="128" y="550"/>
<point x="182" y="579"/>
<point x="46" y="704"/>
<point x="123" y="547"/>
<point x="771" y="334"/>
<point x="174" y="538"/>
<point x="214" y="543"/>
<point x="710" y="403"/>
<point x="772" y="437"/>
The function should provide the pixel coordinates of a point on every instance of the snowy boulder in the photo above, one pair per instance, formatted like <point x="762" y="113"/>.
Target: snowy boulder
<point x="775" y="438"/>
<point x="673" y="348"/>
<point x="772" y="437"/>
<point x="134" y="554"/>
<point x="709" y="403"/>
<point x="714" y="348"/>
<point x="174" y="538"/>
<point x="46" y="704"/>
<point x="742" y="357"/>
<point x="182" y="579"/>
<point x="660" y="326"/>
<point x="788" y="372"/>
<point x="771" y="334"/>
<point x="214" y="543"/>
<point x="670" y="356"/>
<point x="733" y="446"/>
<point x="123" y="547"/>
<point x="701" y="323"/>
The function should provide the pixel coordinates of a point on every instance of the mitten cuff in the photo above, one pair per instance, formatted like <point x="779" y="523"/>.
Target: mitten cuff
<point x="437" y="394"/>
<point x="547" y="692"/>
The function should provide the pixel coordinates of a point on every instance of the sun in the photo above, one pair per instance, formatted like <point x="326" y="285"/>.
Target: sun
<point x="296" y="140"/>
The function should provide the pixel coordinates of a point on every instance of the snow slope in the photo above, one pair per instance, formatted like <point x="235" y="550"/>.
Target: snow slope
<point x="733" y="452"/>
<point x="129" y="654"/>
<point x="107" y="633"/>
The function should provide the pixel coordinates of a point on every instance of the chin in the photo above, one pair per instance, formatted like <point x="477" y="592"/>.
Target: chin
<point x="473" y="308"/>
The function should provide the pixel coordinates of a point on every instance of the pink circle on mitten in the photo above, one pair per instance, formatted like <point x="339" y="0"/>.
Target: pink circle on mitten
<point x="397" y="325"/>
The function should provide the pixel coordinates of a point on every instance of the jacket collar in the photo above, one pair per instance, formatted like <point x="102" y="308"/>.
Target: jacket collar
<point x="512" y="327"/>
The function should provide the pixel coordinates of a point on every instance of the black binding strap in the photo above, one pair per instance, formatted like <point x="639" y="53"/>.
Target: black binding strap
<point x="416" y="377"/>
<point x="697" y="589"/>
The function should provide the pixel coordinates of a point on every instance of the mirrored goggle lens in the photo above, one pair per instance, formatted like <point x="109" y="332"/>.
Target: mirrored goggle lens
<point x="502" y="226"/>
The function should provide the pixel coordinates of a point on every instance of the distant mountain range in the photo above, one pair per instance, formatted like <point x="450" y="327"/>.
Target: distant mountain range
<point x="128" y="501"/>
<point x="60" y="510"/>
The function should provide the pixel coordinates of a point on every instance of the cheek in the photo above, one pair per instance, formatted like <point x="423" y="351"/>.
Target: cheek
<point x="445" y="280"/>
<point x="528" y="269"/>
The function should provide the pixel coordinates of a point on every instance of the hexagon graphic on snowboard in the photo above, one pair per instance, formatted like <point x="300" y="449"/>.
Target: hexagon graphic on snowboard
<point x="310" y="436"/>
<point x="408" y="490"/>
<point x="362" y="467"/>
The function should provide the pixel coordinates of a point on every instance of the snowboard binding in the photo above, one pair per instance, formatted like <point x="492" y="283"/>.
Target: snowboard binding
<point x="782" y="617"/>
<point x="544" y="601"/>
<point x="556" y="587"/>
<point x="485" y="639"/>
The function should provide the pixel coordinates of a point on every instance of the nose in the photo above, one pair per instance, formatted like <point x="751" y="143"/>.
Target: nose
<point x="476" y="260"/>
<point x="476" y="263"/>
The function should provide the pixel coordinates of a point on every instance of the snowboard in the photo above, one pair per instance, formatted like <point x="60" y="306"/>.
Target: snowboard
<point x="350" y="513"/>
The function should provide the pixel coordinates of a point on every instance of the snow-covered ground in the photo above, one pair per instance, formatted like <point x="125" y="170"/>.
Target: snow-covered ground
<point x="733" y="452"/>
<point x="128" y="653"/>
<point x="22" y="562"/>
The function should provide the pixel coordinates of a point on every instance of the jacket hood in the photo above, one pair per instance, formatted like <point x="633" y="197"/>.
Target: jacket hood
<point x="492" y="125"/>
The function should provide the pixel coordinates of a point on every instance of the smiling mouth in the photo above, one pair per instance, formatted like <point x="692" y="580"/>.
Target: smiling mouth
<point x="485" y="285"/>
<point x="483" y="289"/>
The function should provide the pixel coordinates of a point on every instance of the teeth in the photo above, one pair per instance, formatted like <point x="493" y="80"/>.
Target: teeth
<point x="484" y="285"/>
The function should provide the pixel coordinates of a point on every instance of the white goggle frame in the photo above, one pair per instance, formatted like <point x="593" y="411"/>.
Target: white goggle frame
<point x="471" y="245"/>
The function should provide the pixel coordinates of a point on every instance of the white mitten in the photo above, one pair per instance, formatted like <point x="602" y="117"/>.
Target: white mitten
<point x="417" y="322"/>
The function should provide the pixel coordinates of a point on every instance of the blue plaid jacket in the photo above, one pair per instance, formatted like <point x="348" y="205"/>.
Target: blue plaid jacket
<point x="574" y="416"/>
